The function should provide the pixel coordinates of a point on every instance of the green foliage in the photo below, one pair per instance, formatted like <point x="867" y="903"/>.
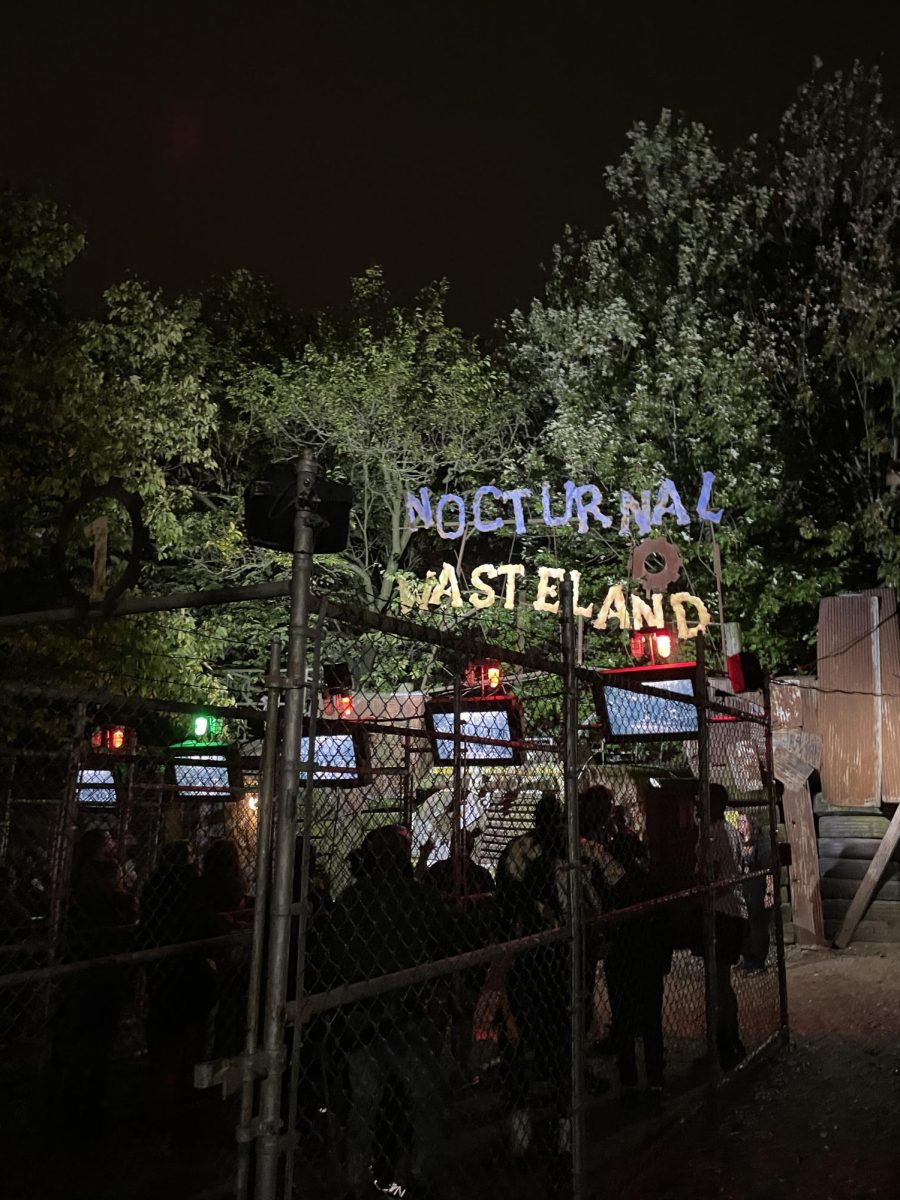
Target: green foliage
<point x="391" y="399"/>
<point x="746" y="324"/>
<point x="738" y="313"/>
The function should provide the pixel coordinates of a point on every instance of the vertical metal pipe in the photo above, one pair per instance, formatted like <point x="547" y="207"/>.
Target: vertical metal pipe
<point x="6" y="788"/>
<point x="64" y="835"/>
<point x="280" y="927"/>
<point x="264" y="807"/>
<point x="125" y="806"/>
<point x="706" y="836"/>
<point x="407" y="782"/>
<point x="576" y="981"/>
<point x="776" y="864"/>
<point x="456" y="839"/>
<point x="303" y="920"/>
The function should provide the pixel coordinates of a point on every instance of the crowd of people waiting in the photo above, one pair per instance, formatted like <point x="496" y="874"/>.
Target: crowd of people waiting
<point x="400" y="1053"/>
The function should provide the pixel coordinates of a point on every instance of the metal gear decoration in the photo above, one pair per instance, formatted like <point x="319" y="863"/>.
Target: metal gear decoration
<point x="655" y="581"/>
<point x="133" y="504"/>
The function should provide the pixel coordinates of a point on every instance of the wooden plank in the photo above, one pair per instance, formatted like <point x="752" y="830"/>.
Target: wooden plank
<point x="864" y="848"/>
<point x="854" y="868"/>
<point x="878" y="910"/>
<point x="862" y="899"/>
<point x="846" y="889"/>
<point x="806" y="897"/>
<point x="822" y="808"/>
<point x="853" y="826"/>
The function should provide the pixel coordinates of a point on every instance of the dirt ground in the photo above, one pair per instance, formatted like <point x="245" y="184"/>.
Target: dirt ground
<point x="818" y="1122"/>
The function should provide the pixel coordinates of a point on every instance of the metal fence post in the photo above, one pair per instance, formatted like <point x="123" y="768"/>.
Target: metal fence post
<point x="7" y="775"/>
<point x="303" y="904"/>
<point x="576" y="981"/>
<point x="264" y="808"/>
<point x="706" y="835"/>
<point x="64" y="835"/>
<point x="280" y="919"/>
<point x="776" y="863"/>
<point x="458" y="823"/>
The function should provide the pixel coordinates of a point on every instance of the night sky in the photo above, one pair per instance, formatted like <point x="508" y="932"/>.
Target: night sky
<point x="306" y="141"/>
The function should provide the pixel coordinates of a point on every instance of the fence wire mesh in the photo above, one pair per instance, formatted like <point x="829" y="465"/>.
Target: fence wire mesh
<point x="127" y="877"/>
<point x="513" y="948"/>
<point x="442" y="1043"/>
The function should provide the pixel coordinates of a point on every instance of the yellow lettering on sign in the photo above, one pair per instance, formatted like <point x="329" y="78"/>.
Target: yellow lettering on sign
<point x="615" y="600"/>
<point x="512" y="571"/>
<point x="447" y="585"/>
<point x="484" y="596"/>
<point x="579" y="610"/>
<point x="641" y="612"/>
<point x="547" y="599"/>
<point x="678" y="600"/>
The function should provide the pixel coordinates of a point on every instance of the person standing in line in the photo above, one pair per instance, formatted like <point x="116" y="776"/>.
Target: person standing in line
<point x="387" y="921"/>
<point x="637" y="960"/>
<point x="181" y="990"/>
<point x="759" y="895"/>
<point x="724" y="850"/>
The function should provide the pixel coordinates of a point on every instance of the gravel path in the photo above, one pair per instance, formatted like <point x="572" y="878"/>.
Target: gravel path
<point x="820" y="1122"/>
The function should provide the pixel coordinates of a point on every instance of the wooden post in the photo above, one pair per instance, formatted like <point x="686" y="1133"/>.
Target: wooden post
<point x="871" y="880"/>
<point x="806" y="892"/>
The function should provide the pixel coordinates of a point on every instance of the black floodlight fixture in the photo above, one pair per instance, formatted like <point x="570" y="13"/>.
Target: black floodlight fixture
<point x="340" y="754"/>
<point x="96" y="786"/>
<point x="495" y="719"/>
<point x="628" y="713"/>
<point x="204" y="771"/>
<point x="269" y="511"/>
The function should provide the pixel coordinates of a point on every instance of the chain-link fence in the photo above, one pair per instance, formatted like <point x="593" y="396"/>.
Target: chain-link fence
<point x="536" y="909"/>
<point x="127" y="877"/>
<point x="528" y="909"/>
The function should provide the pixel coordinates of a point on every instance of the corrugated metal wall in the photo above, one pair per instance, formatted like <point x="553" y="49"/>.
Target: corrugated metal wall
<point x="795" y="703"/>
<point x="888" y="636"/>
<point x="850" y="718"/>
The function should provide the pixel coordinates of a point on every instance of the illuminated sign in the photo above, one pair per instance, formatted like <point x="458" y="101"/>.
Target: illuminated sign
<point x="492" y="508"/>
<point x="488" y="583"/>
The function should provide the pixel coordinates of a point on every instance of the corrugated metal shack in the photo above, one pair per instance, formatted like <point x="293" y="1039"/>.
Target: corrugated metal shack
<point x="843" y="727"/>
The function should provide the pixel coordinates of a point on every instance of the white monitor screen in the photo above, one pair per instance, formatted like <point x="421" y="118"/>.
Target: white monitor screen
<point x="206" y="775"/>
<point x="96" y="787"/>
<point x="334" y="750"/>
<point x="479" y="722"/>
<point x="633" y="715"/>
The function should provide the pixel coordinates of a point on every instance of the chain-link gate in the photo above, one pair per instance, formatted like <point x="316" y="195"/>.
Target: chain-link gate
<point x="533" y="906"/>
<point x="128" y="837"/>
<point x="477" y="938"/>
<point x="451" y="846"/>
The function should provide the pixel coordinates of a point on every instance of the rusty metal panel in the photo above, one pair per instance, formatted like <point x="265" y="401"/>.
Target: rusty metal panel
<point x="889" y="645"/>
<point x="795" y="703"/>
<point x="849" y="711"/>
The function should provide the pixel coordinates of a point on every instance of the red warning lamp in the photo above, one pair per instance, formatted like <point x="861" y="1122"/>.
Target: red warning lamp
<point x="657" y="645"/>
<point x="663" y="644"/>
<point x="339" y="704"/>
<point x="109" y="737"/>
<point x="337" y="690"/>
<point x="486" y="675"/>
